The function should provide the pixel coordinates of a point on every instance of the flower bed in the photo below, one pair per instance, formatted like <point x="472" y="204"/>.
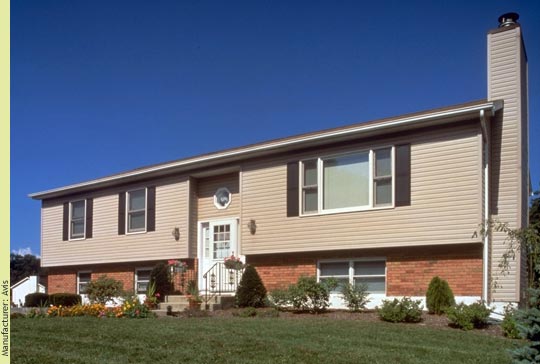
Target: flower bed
<point x="130" y="308"/>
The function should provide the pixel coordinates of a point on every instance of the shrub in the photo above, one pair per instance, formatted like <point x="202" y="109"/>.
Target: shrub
<point x="439" y="296"/>
<point x="103" y="289"/>
<point x="468" y="317"/>
<point x="161" y="278"/>
<point x="528" y="325"/>
<point x="37" y="299"/>
<point x="65" y="299"/>
<point x="251" y="291"/>
<point x="355" y="296"/>
<point x="404" y="310"/>
<point x="279" y="298"/>
<point x="508" y="324"/>
<point x="309" y="295"/>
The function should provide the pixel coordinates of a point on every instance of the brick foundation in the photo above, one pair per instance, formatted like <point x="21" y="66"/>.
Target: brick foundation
<point x="408" y="270"/>
<point x="64" y="279"/>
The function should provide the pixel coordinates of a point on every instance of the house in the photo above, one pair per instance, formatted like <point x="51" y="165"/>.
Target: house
<point x="391" y="203"/>
<point x="24" y="287"/>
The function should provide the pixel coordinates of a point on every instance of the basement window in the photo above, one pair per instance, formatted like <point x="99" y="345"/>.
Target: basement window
<point x="142" y="280"/>
<point x="370" y="272"/>
<point x="83" y="278"/>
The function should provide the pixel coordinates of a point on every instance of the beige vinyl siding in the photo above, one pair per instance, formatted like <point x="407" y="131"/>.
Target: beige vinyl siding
<point x="106" y="246"/>
<point x="193" y="207"/>
<point x="445" y="193"/>
<point x="207" y="187"/>
<point x="504" y="76"/>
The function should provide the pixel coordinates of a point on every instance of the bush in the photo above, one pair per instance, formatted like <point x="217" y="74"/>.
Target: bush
<point x="37" y="299"/>
<point x="251" y="291"/>
<point x="439" y="296"/>
<point x="355" y="296"/>
<point x="65" y="299"/>
<point x="508" y="324"/>
<point x="404" y="310"/>
<point x="468" y="317"/>
<point x="103" y="289"/>
<point x="279" y="298"/>
<point x="306" y="295"/>
<point x="161" y="277"/>
<point x="528" y="325"/>
<point x="309" y="295"/>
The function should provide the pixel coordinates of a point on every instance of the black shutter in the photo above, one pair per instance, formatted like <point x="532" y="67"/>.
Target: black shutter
<point x="292" y="189"/>
<point x="65" y="222"/>
<point x="89" y="217"/>
<point x="122" y="213"/>
<point x="151" y="209"/>
<point x="403" y="175"/>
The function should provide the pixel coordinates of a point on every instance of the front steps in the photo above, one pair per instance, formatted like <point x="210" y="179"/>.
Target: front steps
<point x="180" y="303"/>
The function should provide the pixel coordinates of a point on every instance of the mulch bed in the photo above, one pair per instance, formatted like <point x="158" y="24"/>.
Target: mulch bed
<point x="432" y="321"/>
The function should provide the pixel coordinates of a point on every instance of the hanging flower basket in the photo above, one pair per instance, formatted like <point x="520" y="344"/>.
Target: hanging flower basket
<point x="233" y="262"/>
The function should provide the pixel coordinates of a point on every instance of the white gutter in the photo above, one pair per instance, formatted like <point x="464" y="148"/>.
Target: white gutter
<point x="491" y="105"/>
<point x="486" y="151"/>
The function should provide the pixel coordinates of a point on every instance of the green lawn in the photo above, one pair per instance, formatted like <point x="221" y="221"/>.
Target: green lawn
<point x="245" y="340"/>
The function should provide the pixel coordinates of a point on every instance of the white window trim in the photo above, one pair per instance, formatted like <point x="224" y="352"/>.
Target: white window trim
<point x="141" y="231"/>
<point x="83" y="237"/>
<point x="351" y="271"/>
<point x="137" y="278"/>
<point x="79" y="280"/>
<point x="320" y="187"/>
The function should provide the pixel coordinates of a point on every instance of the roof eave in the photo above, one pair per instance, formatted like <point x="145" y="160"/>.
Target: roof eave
<point x="305" y="140"/>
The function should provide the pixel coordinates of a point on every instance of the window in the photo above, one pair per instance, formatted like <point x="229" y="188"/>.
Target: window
<point x="142" y="280"/>
<point x="83" y="278"/>
<point x="309" y="186"/>
<point x="222" y="241"/>
<point x="347" y="182"/>
<point x="77" y="219"/>
<point x="382" y="177"/>
<point x="372" y="273"/>
<point x="136" y="211"/>
<point x="222" y="198"/>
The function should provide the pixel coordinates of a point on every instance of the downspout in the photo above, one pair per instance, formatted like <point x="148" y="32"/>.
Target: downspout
<point x="486" y="156"/>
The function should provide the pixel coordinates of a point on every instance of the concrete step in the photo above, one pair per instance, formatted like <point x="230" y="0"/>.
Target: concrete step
<point x="180" y="303"/>
<point x="175" y="306"/>
<point x="177" y="299"/>
<point x="219" y="303"/>
<point x="160" y="313"/>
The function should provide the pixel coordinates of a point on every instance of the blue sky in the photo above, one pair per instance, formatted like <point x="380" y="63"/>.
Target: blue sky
<point x="105" y="86"/>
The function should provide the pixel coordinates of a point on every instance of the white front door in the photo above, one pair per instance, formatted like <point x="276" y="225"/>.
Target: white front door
<point x="217" y="241"/>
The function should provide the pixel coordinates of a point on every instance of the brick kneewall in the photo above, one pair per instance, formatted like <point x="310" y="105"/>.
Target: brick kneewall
<point x="408" y="270"/>
<point x="410" y="274"/>
<point x="64" y="279"/>
<point x="279" y="271"/>
<point x="61" y="280"/>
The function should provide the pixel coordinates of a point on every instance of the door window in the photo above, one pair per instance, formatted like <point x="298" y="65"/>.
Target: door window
<point x="221" y="241"/>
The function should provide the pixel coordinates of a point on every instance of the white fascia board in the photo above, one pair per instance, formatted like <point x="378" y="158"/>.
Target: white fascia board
<point x="257" y="149"/>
